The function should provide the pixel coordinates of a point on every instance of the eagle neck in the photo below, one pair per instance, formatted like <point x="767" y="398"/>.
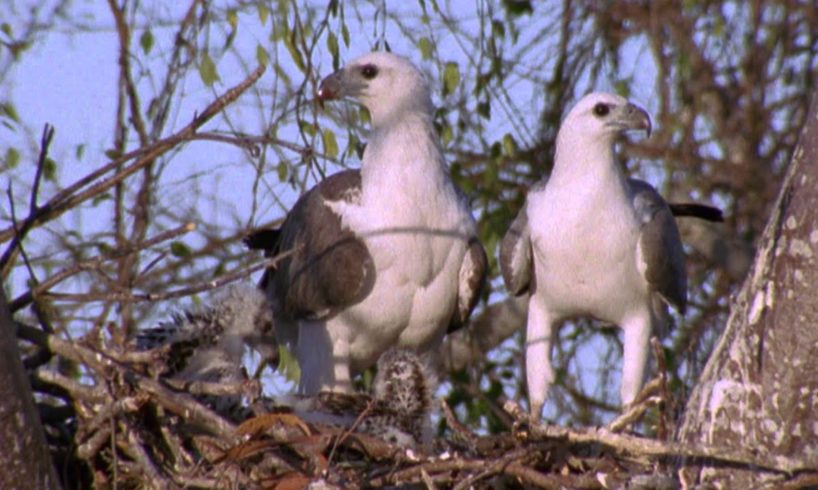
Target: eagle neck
<point x="404" y="152"/>
<point x="586" y="161"/>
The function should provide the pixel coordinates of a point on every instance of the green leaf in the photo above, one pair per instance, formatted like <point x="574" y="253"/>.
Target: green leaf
<point x="113" y="154"/>
<point x="261" y="55"/>
<point x="103" y="248"/>
<point x="8" y="109"/>
<point x="425" y="46"/>
<point x="516" y="8"/>
<point x="446" y="134"/>
<point x="332" y="47"/>
<point x="307" y="128"/>
<point x="146" y="41"/>
<point x="12" y="158"/>
<point x="6" y="28"/>
<point x="498" y="30"/>
<point x="79" y="151"/>
<point x="179" y="249"/>
<point x="451" y="78"/>
<point x="289" y="42"/>
<point x="288" y="364"/>
<point x="219" y="271"/>
<point x="263" y="13"/>
<point x="345" y="35"/>
<point x="50" y="170"/>
<point x="233" y="18"/>
<point x="330" y="144"/>
<point x="207" y="70"/>
<point x="484" y="109"/>
<point x="101" y="198"/>
<point x="282" y="73"/>
<point x="495" y="150"/>
<point x="509" y="145"/>
<point x="364" y="115"/>
<point x="282" y="169"/>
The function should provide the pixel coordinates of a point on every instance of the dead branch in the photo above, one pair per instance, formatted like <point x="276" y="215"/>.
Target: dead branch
<point x="642" y="446"/>
<point x="73" y="194"/>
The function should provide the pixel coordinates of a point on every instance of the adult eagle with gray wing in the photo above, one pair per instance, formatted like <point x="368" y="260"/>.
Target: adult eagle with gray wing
<point x="590" y="242"/>
<point x="381" y="257"/>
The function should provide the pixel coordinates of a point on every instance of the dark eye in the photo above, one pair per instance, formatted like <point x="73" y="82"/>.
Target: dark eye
<point x="369" y="71"/>
<point x="601" y="109"/>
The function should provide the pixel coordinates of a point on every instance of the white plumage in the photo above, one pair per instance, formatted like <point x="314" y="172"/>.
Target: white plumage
<point x="384" y="257"/>
<point x="592" y="243"/>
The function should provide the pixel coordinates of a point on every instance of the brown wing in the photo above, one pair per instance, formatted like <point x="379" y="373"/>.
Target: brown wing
<point x="330" y="268"/>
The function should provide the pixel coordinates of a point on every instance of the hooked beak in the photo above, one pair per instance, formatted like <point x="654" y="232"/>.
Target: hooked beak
<point x="331" y="87"/>
<point x="634" y="117"/>
<point x="342" y="83"/>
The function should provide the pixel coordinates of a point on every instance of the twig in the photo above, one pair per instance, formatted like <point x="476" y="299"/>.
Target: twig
<point x="135" y="445"/>
<point x="493" y="468"/>
<point x="178" y="403"/>
<point x="651" y="447"/>
<point x="77" y="391"/>
<point x="250" y="387"/>
<point x="45" y="143"/>
<point x="93" y="444"/>
<point x="642" y="402"/>
<point x="183" y="405"/>
<point x="72" y="195"/>
<point x="178" y="293"/>
<point x="20" y="232"/>
<point x="69" y="350"/>
<point x="364" y="413"/>
<point x="109" y="411"/>
<point x="459" y="430"/>
<point x="94" y="263"/>
<point x="576" y="482"/>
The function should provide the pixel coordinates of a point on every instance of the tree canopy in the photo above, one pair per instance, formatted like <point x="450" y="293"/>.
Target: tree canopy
<point x="199" y="122"/>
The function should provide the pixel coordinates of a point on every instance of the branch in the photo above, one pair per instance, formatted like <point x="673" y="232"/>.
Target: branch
<point x="178" y="293"/>
<point x="179" y="403"/>
<point x="73" y="195"/>
<point x="642" y="446"/>
<point x="94" y="263"/>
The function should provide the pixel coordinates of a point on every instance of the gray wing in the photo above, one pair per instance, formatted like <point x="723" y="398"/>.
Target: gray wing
<point x="660" y="254"/>
<point x="515" y="255"/>
<point x="470" y="283"/>
<point x="330" y="268"/>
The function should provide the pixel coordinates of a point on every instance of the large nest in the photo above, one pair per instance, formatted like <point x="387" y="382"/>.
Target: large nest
<point x="120" y="423"/>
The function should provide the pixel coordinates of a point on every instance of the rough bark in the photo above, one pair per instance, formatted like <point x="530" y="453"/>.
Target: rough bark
<point x="759" y="389"/>
<point x="26" y="460"/>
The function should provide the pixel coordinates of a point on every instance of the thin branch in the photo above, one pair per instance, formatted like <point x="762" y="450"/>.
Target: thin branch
<point x="72" y="195"/>
<point x="95" y="263"/>
<point x="45" y="143"/>
<point x="651" y="447"/>
<point x="21" y="231"/>
<point x="178" y="293"/>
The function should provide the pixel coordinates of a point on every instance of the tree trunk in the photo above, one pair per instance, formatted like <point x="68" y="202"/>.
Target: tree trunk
<point x="26" y="460"/>
<point x="759" y="390"/>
